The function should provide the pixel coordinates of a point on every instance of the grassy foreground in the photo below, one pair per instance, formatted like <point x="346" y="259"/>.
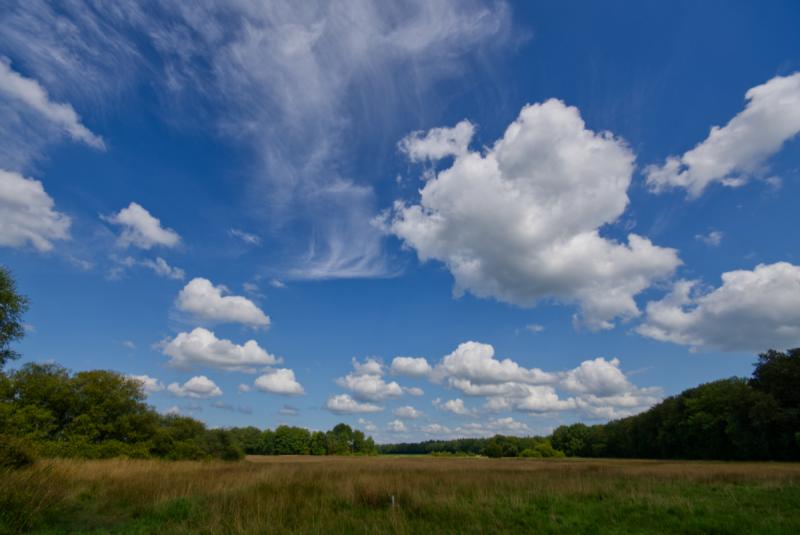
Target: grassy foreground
<point x="431" y="495"/>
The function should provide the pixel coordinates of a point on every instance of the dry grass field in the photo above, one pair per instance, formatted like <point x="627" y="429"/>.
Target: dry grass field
<point x="431" y="495"/>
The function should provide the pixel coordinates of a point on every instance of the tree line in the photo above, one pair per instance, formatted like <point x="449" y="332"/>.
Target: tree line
<point x="496" y="446"/>
<point x="730" y="419"/>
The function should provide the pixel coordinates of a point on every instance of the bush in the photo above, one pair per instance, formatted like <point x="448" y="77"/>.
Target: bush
<point x="530" y="452"/>
<point x="15" y="453"/>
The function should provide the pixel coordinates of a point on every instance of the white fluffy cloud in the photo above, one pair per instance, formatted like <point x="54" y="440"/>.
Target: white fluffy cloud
<point x="370" y="387"/>
<point x="410" y="366"/>
<point x="407" y="412"/>
<point x="599" y="376"/>
<point x="438" y="143"/>
<point x="31" y="94"/>
<point x="27" y="214"/>
<point x="149" y="384"/>
<point x="141" y="229"/>
<point x="205" y="301"/>
<point x="201" y="347"/>
<point x="751" y="311"/>
<point x="344" y="404"/>
<point x="521" y="221"/>
<point x="735" y="152"/>
<point x="396" y="426"/>
<point x="475" y="362"/>
<point x="196" y="387"/>
<point x="455" y="406"/>
<point x="279" y="381"/>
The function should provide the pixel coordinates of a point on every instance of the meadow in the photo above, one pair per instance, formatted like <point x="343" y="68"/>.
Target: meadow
<point x="386" y="494"/>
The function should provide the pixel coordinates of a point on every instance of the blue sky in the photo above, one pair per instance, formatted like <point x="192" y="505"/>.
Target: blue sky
<point x="550" y="211"/>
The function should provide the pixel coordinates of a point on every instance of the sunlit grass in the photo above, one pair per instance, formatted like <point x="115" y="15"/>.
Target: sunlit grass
<point x="431" y="495"/>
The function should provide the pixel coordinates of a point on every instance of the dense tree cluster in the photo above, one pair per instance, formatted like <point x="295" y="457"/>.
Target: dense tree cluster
<point x="496" y="446"/>
<point x="289" y="440"/>
<point x="730" y="419"/>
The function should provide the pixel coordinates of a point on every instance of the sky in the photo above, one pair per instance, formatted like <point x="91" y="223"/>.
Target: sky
<point x="426" y="219"/>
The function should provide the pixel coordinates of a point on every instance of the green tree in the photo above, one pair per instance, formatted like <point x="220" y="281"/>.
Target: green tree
<point x="12" y="307"/>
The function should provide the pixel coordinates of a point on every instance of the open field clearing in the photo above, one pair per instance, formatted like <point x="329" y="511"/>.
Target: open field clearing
<point x="431" y="495"/>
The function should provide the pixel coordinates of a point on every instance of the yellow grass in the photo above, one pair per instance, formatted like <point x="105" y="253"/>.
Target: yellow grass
<point x="354" y="494"/>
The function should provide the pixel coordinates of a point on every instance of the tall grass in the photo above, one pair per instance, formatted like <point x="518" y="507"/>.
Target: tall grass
<point x="431" y="495"/>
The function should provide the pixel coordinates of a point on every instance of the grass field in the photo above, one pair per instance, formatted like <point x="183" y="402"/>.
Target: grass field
<point x="431" y="495"/>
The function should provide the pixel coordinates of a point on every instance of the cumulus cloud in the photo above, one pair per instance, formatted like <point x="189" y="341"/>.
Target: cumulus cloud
<point x="734" y="153"/>
<point x="475" y="362"/>
<point x="407" y="412"/>
<point x="751" y="311"/>
<point x="140" y="229"/>
<point x="598" y="376"/>
<point x="344" y="404"/>
<point x="369" y="387"/>
<point x="396" y="426"/>
<point x="197" y="387"/>
<point x="27" y="215"/>
<point x="149" y="384"/>
<point x="521" y="221"/>
<point x="243" y="388"/>
<point x="438" y="143"/>
<point x="201" y="348"/>
<point x="31" y="94"/>
<point x="455" y="406"/>
<point x="205" y="301"/>
<point x="279" y="381"/>
<point x="410" y="366"/>
<point x="370" y="366"/>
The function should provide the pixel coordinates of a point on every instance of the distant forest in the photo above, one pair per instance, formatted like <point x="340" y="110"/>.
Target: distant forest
<point x="47" y="411"/>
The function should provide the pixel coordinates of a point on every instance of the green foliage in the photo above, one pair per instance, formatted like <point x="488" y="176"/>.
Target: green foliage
<point x="15" y="453"/>
<point x="12" y="307"/>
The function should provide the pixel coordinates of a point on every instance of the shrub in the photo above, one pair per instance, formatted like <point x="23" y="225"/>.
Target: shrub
<point x="15" y="453"/>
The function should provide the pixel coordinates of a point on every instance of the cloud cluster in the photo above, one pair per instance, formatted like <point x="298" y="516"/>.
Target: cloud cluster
<point x="366" y="383"/>
<point x="208" y="302"/>
<point x="201" y="348"/>
<point x="197" y="387"/>
<point x="596" y="388"/>
<point x="734" y="153"/>
<point x="751" y="310"/>
<point x="27" y="214"/>
<point x="140" y="229"/>
<point x="521" y="221"/>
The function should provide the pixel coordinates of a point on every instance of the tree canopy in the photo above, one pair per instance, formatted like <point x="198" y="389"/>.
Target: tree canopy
<point x="12" y="307"/>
